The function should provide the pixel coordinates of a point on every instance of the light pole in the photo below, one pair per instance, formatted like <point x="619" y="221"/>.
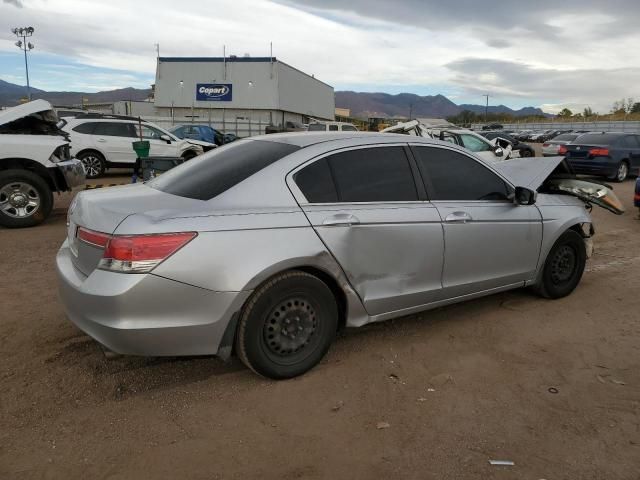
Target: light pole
<point x="24" y="32"/>
<point x="486" y="109"/>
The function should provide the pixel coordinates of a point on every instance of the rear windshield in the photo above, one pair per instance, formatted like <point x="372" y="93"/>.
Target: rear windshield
<point x="567" y="137"/>
<point x="317" y="127"/>
<point x="598" y="138"/>
<point x="213" y="173"/>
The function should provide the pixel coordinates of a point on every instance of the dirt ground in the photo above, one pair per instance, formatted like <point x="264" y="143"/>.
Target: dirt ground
<point x="553" y="386"/>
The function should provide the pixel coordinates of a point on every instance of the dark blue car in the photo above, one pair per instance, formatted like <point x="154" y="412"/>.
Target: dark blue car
<point x="611" y="155"/>
<point x="204" y="133"/>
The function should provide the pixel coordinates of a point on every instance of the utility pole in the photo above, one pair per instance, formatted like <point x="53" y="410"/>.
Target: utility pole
<point x="486" y="109"/>
<point x="410" y="110"/>
<point x="24" y="32"/>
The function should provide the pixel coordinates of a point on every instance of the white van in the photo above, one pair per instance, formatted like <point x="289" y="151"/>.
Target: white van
<point x="332" y="127"/>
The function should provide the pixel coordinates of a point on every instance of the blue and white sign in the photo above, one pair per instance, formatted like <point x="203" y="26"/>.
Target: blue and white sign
<point x="214" y="92"/>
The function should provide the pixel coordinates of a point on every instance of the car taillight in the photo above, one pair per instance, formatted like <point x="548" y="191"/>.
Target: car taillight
<point x="141" y="253"/>
<point x="97" y="239"/>
<point x="545" y="144"/>
<point x="599" y="152"/>
<point x="562" y="150"/>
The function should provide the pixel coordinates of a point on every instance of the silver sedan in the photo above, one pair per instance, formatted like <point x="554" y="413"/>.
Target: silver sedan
<point x="267" y="246"/>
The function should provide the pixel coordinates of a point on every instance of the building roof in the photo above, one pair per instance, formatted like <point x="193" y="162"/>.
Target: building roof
<point x="235" y="59"/>
<point x="218" y="59"/>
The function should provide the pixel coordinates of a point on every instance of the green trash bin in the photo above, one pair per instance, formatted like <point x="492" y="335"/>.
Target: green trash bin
<point x="141" y="148"/>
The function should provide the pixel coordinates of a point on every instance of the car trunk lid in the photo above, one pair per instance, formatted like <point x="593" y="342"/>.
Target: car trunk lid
<point x="580" y="151"/>
<point x="101" y="211"/>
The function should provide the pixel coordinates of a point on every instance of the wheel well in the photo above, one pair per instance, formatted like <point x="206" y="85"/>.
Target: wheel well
<point x="32" y="166"/>
<point x="333" y="285"/>
<point x="91" y="150"/>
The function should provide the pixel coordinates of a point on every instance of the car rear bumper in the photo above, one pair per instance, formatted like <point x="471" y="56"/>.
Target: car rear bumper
<point x="602" y="166"/>
<point x="144" y="314"/>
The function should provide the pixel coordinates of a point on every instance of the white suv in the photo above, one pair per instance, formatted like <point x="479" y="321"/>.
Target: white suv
<point x="103" y="141"/>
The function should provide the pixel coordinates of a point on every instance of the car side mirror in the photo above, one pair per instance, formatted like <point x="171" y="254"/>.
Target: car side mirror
<point x="166" y="138"/>
<point x="498" y="151"/>
<point x="525" y="196"/>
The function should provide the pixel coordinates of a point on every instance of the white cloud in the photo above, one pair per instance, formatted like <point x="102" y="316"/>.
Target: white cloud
<point x="362" y="42"/>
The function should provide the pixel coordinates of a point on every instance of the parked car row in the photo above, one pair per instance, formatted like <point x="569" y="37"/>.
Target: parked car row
<point x="267" y="246"/>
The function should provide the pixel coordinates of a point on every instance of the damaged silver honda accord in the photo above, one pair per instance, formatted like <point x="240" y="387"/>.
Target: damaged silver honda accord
<point x="267" y="246"/>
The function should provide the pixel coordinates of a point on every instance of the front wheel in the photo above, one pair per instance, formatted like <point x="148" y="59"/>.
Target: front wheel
<point x="287" y="326"/>
<point x="564" y="266"/>
<point x="25" y="199"/>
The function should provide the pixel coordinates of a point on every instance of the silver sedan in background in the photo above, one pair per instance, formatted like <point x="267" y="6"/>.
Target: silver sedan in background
<point x="267" y="246"/>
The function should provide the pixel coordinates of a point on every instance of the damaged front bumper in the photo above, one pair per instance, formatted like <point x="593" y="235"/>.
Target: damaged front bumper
<point x="73" y="173"/>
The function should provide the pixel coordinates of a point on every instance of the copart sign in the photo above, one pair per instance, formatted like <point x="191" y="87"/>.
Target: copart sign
<point x="214" y="92"/>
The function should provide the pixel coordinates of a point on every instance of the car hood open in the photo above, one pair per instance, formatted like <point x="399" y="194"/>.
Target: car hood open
<point x="534" y="173"/>
<point x="41" y="107"/>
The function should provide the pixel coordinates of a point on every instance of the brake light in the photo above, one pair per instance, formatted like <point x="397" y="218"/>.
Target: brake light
<point x="599" y="152"/>
<point x="97" y="239"/>
<point x="562" y="150"/>
<point x="141" y="253"/>
<point x="545" y="144"/>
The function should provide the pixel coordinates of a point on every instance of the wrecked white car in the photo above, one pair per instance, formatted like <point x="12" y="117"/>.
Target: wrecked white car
<point x="490" y="150"/>
<point x="35" y="161"/>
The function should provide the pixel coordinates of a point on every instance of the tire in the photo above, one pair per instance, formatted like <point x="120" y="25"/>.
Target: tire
<point x="564" y="266"/>
<point x="287" y="325"/>
<point x="25" y="199"/>
<point x="93" y="162"/>
<point x="622" y="172"/>
<point x="525" y="152"/>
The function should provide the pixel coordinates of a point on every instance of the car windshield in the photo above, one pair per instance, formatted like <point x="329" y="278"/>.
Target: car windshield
<point x="598" y="138"/>
<point x="213" y="173"/>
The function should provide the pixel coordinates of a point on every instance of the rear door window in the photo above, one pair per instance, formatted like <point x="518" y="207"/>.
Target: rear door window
<point x="378" y="174"/>
<point x="316" y="183"/>
<point x="450" y="175"/>
<point x="113" y="129"/>
<point x="333" y="128"/>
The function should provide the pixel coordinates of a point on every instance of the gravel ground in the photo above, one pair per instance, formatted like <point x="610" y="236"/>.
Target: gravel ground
<point x="553" y="386"/>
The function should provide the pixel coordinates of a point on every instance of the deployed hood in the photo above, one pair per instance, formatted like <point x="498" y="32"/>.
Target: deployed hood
<point x="42" y="108"/>
<point x="528" y="172"/>
<point x="536" y="174"/>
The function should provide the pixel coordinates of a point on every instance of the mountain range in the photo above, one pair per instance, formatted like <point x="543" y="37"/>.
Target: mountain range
<point x="404" y="104"/>
<point x="361" y="104"/>
<point x="10" y="94"/>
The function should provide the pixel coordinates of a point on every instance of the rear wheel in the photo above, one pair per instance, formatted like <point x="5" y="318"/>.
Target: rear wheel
<point x="93" y="162"/>
<point x="621" y="173"/>
<point x="287" y="326"/>
<point x="564" y="266"/>
<point x="25" y="199"/>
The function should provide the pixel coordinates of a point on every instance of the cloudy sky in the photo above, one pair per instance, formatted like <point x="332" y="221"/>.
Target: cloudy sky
<point x="546" y="53"/>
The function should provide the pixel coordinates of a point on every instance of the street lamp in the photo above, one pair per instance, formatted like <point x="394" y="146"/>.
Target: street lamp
<point x="23" y="33"/>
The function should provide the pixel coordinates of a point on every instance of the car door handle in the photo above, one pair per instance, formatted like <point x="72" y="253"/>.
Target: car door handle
<point x="458" y="217"/>
<point x="101" y="140"/>
<point x="340" y="220"/>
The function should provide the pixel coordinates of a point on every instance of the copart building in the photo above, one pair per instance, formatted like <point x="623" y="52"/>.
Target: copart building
<point x="245" y="94"/>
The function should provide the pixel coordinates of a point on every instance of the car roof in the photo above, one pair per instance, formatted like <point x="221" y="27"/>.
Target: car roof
<point x="306" y="139"/>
